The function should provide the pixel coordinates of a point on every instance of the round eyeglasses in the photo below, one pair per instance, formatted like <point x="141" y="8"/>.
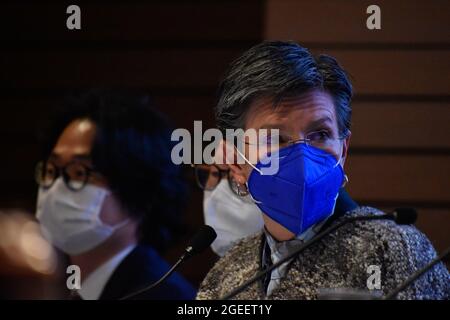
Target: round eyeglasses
<point x="208" y="177"/>
<point x="319" y="143"/>
<point x="75" y="175"/>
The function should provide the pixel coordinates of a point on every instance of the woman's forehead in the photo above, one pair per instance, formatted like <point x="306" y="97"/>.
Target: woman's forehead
<point x="296" y="113"/>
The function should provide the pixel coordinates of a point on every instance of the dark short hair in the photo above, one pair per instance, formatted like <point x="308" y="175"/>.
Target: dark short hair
<point x="278" y="70"/>
<point x="132" y="149"/>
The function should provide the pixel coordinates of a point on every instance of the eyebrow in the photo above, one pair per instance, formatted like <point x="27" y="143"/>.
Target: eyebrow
<point x="312" y="125"/>
<point x="316" y="123"/>
<point x="278" y="126"/>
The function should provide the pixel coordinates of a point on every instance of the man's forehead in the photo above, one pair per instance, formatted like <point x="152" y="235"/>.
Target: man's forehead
<point x="75" y="141"/>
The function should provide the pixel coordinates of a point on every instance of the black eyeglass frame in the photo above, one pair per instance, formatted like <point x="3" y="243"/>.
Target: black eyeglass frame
<point x="61" y="171"/>
<point x="222" y="173"/>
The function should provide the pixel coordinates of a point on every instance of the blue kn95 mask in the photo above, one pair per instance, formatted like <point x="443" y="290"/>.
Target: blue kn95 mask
<point x="304" y="190"/>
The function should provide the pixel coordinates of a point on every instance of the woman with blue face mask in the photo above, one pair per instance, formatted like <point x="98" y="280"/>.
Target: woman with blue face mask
<point x="300" y="107"/>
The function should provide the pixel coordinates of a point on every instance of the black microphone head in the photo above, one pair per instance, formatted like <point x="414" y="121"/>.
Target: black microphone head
<point x="201" y="240"/>
<point x="405" y="215"/>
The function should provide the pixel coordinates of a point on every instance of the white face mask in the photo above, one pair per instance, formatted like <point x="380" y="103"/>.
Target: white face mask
<point x="70" y="220"/>
<point x="231" y="216"/>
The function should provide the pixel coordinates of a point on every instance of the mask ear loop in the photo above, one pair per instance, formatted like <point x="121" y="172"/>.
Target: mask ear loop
<point x="119" y="225"/>
<point x="246" y="183"/>
<point x="338" y="163"/>
<point x="116" y="226"/>
<point x="340" y="157"/>
<point x="246" y="160"/>
<point x="345" y="181"/>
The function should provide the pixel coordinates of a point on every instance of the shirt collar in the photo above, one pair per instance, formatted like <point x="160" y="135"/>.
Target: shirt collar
<point x="92" y="286"/>
<point x="281" y="249"/>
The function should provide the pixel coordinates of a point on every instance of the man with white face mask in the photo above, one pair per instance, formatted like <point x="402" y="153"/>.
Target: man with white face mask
<point x="231" y="216"/>
<point x="109" y="196"/>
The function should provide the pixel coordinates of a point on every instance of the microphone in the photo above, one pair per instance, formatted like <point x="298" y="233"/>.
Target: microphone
<point x="442" y="257"/>
<point x="404" y="215"/>
<point x="201" y="240"/>
<point x="400" y="216"/>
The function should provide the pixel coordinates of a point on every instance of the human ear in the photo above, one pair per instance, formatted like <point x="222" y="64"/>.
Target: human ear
<point x="238" y="171"/>
<point x="346" y="144"/>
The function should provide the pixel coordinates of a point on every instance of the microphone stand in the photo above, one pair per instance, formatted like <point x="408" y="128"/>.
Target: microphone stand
<point x="199" y="242"/>
<point x="164" y="277"/>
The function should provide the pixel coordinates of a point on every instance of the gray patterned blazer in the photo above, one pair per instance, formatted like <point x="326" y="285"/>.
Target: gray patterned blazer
<point x="339" y="260"/>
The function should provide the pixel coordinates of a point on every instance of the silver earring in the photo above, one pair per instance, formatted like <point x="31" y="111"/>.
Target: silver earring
<point x="240" y="192"/>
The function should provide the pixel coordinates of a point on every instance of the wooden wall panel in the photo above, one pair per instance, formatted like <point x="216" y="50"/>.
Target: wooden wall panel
<point x="401" y="125"/>
<point x="405" y="179"/>
<point x="400" y="145"/>
<point x="404" y="22"/>
<point x="380" y="72"/>
<point x="433" y="222"/>
<point x="395" y="72"/>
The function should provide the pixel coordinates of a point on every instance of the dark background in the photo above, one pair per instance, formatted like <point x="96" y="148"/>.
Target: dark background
<point x="177" y="51"/>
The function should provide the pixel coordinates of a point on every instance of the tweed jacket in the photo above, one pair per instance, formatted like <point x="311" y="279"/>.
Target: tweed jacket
<point x="340" y="260"/>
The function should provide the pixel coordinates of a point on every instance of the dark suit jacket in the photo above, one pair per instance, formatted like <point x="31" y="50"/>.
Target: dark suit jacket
<point x="142" y="267"/>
